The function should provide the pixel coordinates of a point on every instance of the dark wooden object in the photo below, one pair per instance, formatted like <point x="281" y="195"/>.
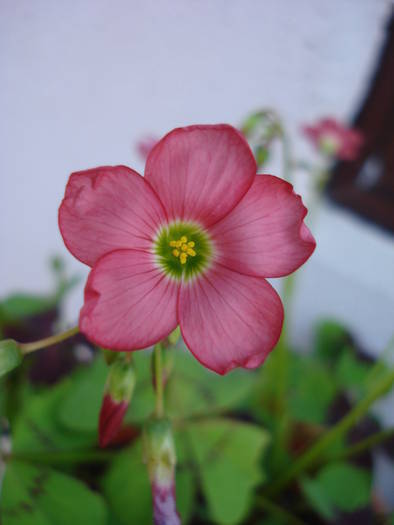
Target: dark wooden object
<point x="366" y="186"/>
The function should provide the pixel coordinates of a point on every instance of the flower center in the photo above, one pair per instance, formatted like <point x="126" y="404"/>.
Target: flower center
<point x="182" y="249"/>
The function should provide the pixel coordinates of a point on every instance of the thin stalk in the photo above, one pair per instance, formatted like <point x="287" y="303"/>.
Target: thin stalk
<point x="308" y="459"/>
<point x="158" y="371"/>
<point x="278" y="512"/>
<point x="365" y="444"/>
<point x="27" y="348"/>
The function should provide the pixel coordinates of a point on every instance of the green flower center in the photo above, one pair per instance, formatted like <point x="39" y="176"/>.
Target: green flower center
<point x="183" y="249"/>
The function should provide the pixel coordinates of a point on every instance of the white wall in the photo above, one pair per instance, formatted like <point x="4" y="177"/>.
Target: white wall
<point x="81" y="81"/>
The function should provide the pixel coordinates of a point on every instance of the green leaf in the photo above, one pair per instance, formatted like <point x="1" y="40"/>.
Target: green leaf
<point x="193" y="390"/>
<point x="34" y="495"/>
<point x="331" y="337"/>
<point x="351" y="373"/>
<point x="18" y="306"/>
<point x="338" y="486"/>
<point x="317" y="498"/>
<point x="10" y="356"/>
<point x="347" y="486"/>
<point x="80" y="409"/>
<point x="127" y="488"/>
<point x="38" y="428"/>
<point x="311" y="390"/>
<point x="227" y="454"/>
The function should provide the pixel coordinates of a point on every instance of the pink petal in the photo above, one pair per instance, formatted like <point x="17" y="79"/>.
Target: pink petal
<point x="201" y="172"/>
<point x="264" y="234"/>
<point x="108" y="208"/>
<point x="229" y="320"/>
<point x="110" y="420"/>
<point x="129" y="303"/>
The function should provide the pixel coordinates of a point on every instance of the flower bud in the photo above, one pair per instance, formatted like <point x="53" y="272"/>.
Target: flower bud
<point x="10" y="356"/>
<point x="159" y="453"/>
<point x="118" y="391"/>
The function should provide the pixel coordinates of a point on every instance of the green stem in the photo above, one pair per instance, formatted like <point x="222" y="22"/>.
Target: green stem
<point x="27" y="348"/>
<point x="277" y="511"/>
<point x="158" y="371"/>
<point x="364" y="445"/>
<point x="308" y="459"/>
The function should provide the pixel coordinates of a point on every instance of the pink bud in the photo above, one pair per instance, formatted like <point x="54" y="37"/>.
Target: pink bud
<point x="111" y="418"/>
<point x="118" y="391"/>
<point x="334" y="139"/>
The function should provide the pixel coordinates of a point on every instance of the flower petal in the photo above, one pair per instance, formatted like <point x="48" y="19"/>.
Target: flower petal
<point x="264" y="234"/>
<point x="129" y="303"/>
<point x="108" y="208"/>
<point x="201" y="172"/>
<point x="229" y="320"/>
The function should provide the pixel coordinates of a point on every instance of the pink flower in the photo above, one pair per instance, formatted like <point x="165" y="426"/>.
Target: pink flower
<point x="191" y="244"/>
<point x="145" y="146"/>
<point x="334" y="139"/>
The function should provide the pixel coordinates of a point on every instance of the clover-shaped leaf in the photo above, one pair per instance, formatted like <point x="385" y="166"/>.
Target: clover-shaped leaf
<point x="36" y="495"/>
<point x="227" y="455"/>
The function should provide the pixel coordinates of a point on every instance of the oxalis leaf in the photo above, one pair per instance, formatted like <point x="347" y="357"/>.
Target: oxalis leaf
<point x="227" y="454"/>
<point x="338" y="486"/>
<point x="38" y="428"/>
<point x="193" y="390"/>
<point x="80" y="409"/>
<point x="34" y="495"/>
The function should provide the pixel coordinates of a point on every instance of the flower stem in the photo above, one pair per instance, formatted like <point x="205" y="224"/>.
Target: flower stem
<point x="308" y="459"/>
<point x="27" y="348"/>
<point x="158" y="371"/>
<point x="365" y="444"/>
<point x="278" y="512"/>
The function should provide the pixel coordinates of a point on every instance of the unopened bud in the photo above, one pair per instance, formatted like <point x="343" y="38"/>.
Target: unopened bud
<point x="10" y="356"/>
<point x="118" y="392"/>
<point x="159" y="452"/>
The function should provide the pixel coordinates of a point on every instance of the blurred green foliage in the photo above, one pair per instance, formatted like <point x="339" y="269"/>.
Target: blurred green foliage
<point x="224" y="428"/>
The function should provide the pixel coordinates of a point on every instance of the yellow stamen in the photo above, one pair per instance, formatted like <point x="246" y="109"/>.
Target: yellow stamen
<point x="183" y="249"/>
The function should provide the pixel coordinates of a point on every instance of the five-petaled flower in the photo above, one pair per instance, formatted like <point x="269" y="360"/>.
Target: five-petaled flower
<point x="334" y="139"/>
<point x="190" y="243"/>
